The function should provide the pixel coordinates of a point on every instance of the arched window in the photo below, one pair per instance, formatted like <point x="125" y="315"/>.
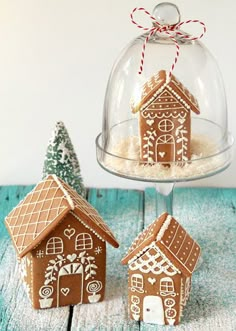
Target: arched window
<point x="54" y="246"/>
<point x="83" y="241"/>
<point x="167" y="287"/>
<point x="137" y="283"/>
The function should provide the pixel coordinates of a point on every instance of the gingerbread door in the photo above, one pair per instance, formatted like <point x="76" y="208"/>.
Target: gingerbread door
<point x="165" y="148"/>
<point x="153" y="310"/>
<point x="70" y="284"/>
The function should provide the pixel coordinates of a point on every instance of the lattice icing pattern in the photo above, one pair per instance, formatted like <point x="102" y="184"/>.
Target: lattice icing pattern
<point x="35" y="213"/>
<point x="44" y="207"/>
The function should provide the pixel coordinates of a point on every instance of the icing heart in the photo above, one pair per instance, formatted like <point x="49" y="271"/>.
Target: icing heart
<point x="152" y="280"/>
<point x="181" y="120"/>
<point x="72" y="257"/>
<point x="150" y="122"/>
<point x="65" y="291"/>
<point x="162" y="154"/>
<point x="69" y="232"/>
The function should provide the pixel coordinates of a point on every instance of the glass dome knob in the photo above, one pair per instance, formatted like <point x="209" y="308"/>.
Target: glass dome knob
<point x="167" y="13"/>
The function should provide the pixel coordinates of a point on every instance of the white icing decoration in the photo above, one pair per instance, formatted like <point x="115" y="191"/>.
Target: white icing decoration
<point x="181" y="120"/>
<point x="164" y="227"/>
<point x="134" y="308"/>
<point x="169" y="302"/>
<point x="162" y="154"/>
<point x="71" y="257"/>
<point x="166" y="125"/>
<point x="148" y="142"/>
<point x="137" y="283"/>
<point x="79" y="219"/>
<point x="45" y="292"/>
<point x="54" y="246"/>
<point x="83" y="241"/>
<point x="67" y="196"/>
<point x="150" y="122"/>
<point x="93" y="287"/>
<point x="153" y="310"/>
<point x="152" y="280"/>
<point x="148" y="262"/>
<point x="69" y="232"/>
<point x="65" y="291"/>
<point x="167" y="287"/>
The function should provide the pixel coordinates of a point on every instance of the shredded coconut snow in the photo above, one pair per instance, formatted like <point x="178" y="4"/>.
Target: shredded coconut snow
<point x="205" y="159"/>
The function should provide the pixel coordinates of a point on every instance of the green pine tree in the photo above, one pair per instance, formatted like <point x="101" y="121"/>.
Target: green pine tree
<point x="62" y="161"/>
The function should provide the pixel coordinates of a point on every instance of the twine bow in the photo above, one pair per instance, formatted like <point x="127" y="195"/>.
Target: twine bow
<point x="167" y="29"/>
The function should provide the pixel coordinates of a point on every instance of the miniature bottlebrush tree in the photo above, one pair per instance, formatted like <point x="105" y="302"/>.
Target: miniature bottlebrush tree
<point x="61" y="159"/>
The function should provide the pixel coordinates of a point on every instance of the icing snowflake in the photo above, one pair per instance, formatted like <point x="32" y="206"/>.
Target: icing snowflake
<point x="98" y="250"/>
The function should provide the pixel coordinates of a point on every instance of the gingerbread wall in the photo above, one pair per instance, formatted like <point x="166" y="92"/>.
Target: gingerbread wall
<point x="68" y="266"/>
<point x="155" y="299"/>
<point x="165" y="130"/>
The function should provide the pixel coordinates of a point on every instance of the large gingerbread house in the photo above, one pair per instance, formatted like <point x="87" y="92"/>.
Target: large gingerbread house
<point x="164" y="108"/>
<point x="61" y="242"/>
<point x="161" y="261"/>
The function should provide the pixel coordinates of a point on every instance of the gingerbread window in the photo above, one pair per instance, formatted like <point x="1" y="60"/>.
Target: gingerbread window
<point x="167" y="287"/>
<point x="166" y="125"/>
<point x="54" y="246"/>
<point x="83" y="241"/>
<point x="137" y="283"/>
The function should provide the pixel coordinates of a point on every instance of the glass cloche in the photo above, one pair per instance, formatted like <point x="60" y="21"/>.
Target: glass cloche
<point x="163" y="125"/>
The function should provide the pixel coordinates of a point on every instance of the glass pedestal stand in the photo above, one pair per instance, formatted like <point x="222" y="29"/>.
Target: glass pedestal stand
<point x="164" y="198"/>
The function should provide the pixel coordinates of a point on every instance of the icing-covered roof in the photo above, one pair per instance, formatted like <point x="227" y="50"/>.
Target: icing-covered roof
<point x="44" y="207"/>
<point x="171" y="239"/>
<point x="156" y="85"/>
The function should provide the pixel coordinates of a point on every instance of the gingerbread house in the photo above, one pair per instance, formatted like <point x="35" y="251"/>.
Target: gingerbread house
<point x="61" y="242"/>
<point x="164" y="108"/>
<point x="161" y="261"/>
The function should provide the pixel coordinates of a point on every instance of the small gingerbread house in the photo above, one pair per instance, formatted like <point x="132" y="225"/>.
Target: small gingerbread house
<point x="161" y="261"/>
<point x="164" y="108"/>
<point x="61" y="242"/>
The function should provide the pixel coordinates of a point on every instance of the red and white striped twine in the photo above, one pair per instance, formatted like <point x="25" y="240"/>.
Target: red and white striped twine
<point x="167" y="29"/>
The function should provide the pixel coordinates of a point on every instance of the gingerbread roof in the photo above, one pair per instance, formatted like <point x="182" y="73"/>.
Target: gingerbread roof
<point x="152" y="89"/>
<point x="46" y="206"/>
<point x="171" y="239"/>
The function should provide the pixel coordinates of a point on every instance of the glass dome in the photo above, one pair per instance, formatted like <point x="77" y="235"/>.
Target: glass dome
<point x="164" y="126"/>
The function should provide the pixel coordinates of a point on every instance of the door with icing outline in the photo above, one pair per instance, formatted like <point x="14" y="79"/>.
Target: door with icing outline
<point x="165" y="148"/>
<point x="153" y="310"/>
<point x="70" y="284"/>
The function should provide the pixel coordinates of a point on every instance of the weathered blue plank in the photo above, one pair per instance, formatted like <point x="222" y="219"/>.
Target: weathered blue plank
<point x="9" y="198"/>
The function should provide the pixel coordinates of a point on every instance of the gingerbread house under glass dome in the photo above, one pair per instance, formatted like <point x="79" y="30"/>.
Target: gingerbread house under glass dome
<point x="165" y="124"/>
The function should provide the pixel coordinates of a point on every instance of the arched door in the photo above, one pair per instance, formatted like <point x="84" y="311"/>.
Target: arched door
<point x="153" y="310"/>
<point x="165" y="148"/>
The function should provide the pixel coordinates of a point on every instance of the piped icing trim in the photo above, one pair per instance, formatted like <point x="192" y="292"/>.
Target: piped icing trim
<point x="164" y="228"/>
<point x="178" y="97"/>
<point x="67" y="196"/>
<point x="84" y="224"/>
<point x="152" y="254"/>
